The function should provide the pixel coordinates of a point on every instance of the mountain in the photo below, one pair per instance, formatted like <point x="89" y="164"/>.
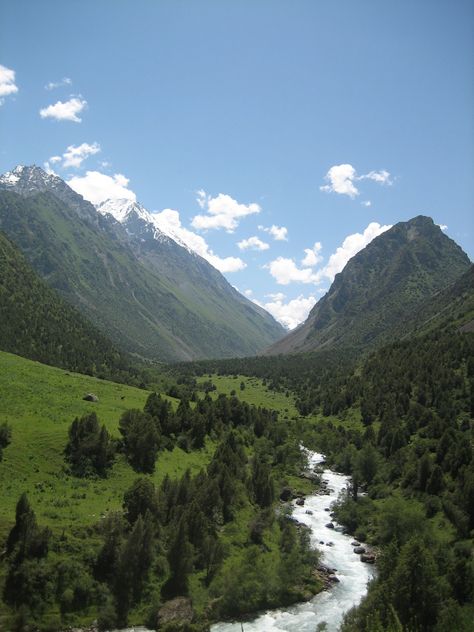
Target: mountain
<point x="452" y="307"/>
<point x="380" y="288"/>
<point x="153" y="298"/>
<point x="37" y="324"/>
<point x="196" y="281"/>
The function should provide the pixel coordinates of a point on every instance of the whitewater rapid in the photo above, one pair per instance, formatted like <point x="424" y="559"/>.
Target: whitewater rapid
<point x="330" y="605"/>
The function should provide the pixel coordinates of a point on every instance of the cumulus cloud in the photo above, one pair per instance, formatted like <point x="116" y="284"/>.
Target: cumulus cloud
<point x="74" y="156"/>
<point x="279" y="233"/>
<point x="98" y="187"/>
<point x="7" y="83"/>
<point x="341" y="179"/>
<point x="285" y="271"/>
<point x="291" y="313"/>
<point x="366" y="203"/>
<point x="169" y="222"/>
<point x="312" y="255"/>
<point x="351" y="245"/>
<point x="65" y="81"/>
<point x="65" y="110"/>
<point x="253" y="243"/>
<point x="221" y="212"/>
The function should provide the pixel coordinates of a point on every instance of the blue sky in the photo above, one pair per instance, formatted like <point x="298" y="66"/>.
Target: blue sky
<point x="253" y="104"/>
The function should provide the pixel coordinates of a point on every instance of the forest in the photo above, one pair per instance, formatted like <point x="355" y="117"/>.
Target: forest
<point x="220" y="535"/>
<point x="399" y="421"/>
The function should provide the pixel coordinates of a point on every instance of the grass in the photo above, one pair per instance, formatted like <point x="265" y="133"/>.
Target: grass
<point x="40" y="402"/>
<point x="255" y="392"/>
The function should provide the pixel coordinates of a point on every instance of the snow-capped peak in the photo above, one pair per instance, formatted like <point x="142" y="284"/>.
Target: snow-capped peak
<point x="123" y="210"/>
<point x="127" y="212"/>
<point x="27" y="177"/>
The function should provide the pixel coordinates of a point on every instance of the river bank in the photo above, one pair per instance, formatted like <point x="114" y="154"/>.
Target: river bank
<point x="341" y="570"/>
<point x="352" y="575"/>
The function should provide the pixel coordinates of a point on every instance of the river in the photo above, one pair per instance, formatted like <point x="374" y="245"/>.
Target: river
<point x="330" y="605"/>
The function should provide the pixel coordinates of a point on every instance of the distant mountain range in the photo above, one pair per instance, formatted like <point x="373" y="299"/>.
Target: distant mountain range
<point x="393" y="286"/>
<point x="151" y="295"/>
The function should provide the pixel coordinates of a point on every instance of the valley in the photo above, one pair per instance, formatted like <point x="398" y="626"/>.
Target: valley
<point x="152" y="420"/>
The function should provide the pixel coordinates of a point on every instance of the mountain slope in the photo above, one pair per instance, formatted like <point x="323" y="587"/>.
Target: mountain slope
<point x="197" y="282"/>
<point x="452" y="307"/>
<point x="36" y="323"/>
<point x="380" y="288"/>
<point x="88" y="258"/>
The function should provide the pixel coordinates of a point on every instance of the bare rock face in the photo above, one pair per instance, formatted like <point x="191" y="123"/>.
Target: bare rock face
<point x="177" y="611"/>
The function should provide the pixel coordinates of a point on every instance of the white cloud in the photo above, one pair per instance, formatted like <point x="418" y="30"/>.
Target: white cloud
<point x="65" y="111"/>
<point x="98" y="187"/>
<point x="201" y="198"/>
<point x="443" y="227"/>
<point x="7" y="83"/>
<point x="65" y="81"/>
<point x="222" y="212"/>
<point x="169" y="222"/>
<point x="248" y="293"/>
<point x="49" y="170"/>
<point x="289" y="314"/>
<point x="276" y="296"/>
<point x="253" y="243"/>
<point x="366" y="203"/>
<point x="312" y="255"/>
<point x="74" y="156"/>
<point x="341" y="180"/>
<point x="279" y="233"/>
<point x="350" y="247"/>
<point x="382" y="177"/>
<point x="285" y="271"/>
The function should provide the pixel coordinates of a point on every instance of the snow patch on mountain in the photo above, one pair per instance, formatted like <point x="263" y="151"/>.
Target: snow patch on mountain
<point x="128" y="213"/>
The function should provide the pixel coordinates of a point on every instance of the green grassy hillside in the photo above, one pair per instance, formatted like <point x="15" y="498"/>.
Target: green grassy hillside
<point x="39" y="403"/>
<point x="235" y="479"/>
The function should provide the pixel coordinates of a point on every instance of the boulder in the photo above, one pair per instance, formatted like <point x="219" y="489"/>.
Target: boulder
<point x="176" y="611"/>
<point x="90" y="397"/>
<point x="309" y="512"/>
<point x="355" y="543"/>
<point x="359" y="550"/>
<point x="368" y="558"/>
<point x="300" y="502"/>
<point x="330" y="525"/>
<point x="333" y="578"/>
<point x="286" y="494"/>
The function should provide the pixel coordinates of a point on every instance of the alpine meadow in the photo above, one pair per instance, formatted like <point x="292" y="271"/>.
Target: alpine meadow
<point x="236" y="316"/>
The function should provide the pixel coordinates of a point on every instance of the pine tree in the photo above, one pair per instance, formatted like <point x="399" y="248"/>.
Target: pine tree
<point x="180" y="563"/>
